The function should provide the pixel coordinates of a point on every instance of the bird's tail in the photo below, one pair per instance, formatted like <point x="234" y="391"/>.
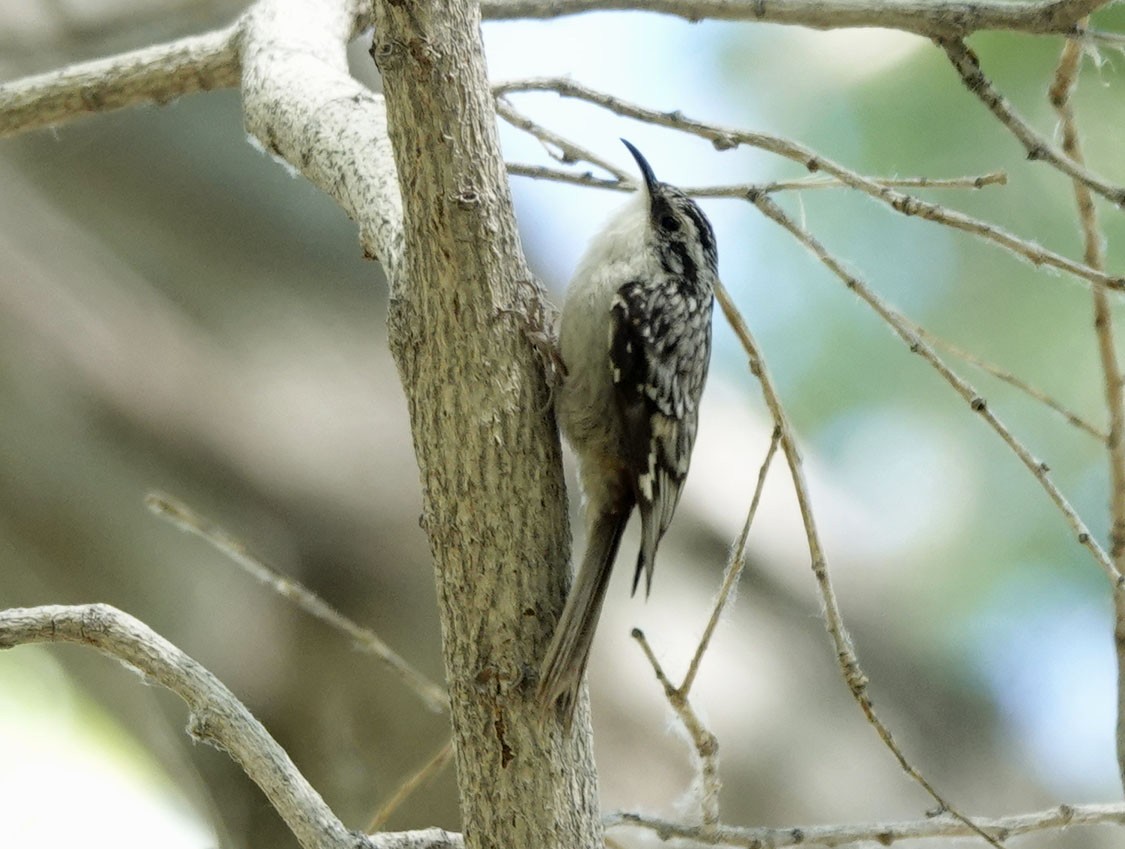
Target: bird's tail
<point x="561" y="675"/>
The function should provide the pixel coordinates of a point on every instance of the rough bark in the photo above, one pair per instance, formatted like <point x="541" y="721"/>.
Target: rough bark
<point x="487" y="448"/>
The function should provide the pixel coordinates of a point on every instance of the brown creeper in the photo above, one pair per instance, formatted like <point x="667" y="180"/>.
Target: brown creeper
<point x="635" y="336"/>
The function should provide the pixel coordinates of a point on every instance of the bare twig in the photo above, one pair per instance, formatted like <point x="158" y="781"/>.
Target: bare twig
<point x="979" y="181"/>
<point x="931" y="18"/>
<point x="962" y="387"/>
<point x="966" y="64"/>
<point x="366" y="640"/>
<point x="745" y="190"/>
<point x="561" y="149"/>
<point x="733" y="572"/>
<point x="429" y="770"/>
<point x="1113" y="39"/>
<point x="557" y="175"/>
<point x="156" y="74"/>
<point x="846" y="657"/>
<point x="1013" y="380"/>
<point x="216" y="716"/>
<point x="724" y="138"/>
<point x="880" y="833"/>
<point x="706" y="744"/>
<point x="1066" y="80"/>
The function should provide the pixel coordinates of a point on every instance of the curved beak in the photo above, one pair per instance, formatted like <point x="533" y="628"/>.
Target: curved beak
<point x="646" y="169"/>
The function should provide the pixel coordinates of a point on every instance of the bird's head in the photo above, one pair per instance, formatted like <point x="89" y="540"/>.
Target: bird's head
<point x="679" y="229"/>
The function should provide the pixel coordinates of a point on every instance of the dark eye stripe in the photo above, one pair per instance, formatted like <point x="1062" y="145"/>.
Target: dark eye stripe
<point x="702" y="227"/>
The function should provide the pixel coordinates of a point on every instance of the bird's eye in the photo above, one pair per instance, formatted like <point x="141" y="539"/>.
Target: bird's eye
<point x="670" y="223"/>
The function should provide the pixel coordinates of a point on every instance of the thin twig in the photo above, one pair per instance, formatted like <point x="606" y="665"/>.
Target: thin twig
<point x="428" y="771"/>
<point x="854" y="676"/>
<point x="1060" y="93"/>
<point x="1113" y="39"/>
<point x="724" y="138"/>
<point x="744" y="190"/>
<point x="876" y="833"/>
<point x="557" y="175"/>
<point x="186" y="519"/>
<point x="962" y="387"/>
<point x="706" y="744"/>
<point x="1066" y="79"/>
<point x="1013" y="380"/>
<point x="979" y="181"/>
<point x="568" y="152"/>
<point x="966" y="64"/>
<point x="733" y="572"/>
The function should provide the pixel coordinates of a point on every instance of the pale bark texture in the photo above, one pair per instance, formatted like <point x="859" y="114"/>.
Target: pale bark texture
<point x="487" y="448"/>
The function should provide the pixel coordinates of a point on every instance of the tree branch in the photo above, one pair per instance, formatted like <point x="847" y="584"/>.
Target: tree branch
<point x="846" y="658"/>
<point x="725" y="138"/>
<point x="1060" y="92"/>
<point x="885" y="834"/>
<point x="705" y="744"/>
<point x="425" y="838"/>
<point x="183" y="517"/>
<point x="966" y="64"/>
<point x="431" y="768"/>
<point x="736" y="561"/>
<point x="567" y="151"/>
<point x="216" y="716"/>
<point x="163" y="72"/>
<point x="743" y="191"/>
<point x="962" y="387"/>
<point x="1066" y="80"/>
<point x="302" y="104"/>
<point x="299" y="101"/>
<point x="930" y="18"/>
<point x="155" y="74"/>
<point x="1071" y="417"/>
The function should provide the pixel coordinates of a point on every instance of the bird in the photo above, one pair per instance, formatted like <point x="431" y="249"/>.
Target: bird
<point x="635" y="341"/>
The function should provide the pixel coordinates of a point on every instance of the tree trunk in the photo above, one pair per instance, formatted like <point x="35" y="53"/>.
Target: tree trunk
<point x="487" y="448"/>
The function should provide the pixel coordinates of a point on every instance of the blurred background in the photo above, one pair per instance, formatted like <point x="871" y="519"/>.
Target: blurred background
<point x="178" y="312"/>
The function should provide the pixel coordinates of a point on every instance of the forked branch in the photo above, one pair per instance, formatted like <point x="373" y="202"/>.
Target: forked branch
<point x="976" y="402"/>
<point x="846" y="657"/>
<point x="966" y="63"/>
<point x="727" y="138"/>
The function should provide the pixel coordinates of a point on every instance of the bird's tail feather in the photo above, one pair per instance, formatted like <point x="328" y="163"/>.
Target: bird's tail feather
<point x="561" y="676"/>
